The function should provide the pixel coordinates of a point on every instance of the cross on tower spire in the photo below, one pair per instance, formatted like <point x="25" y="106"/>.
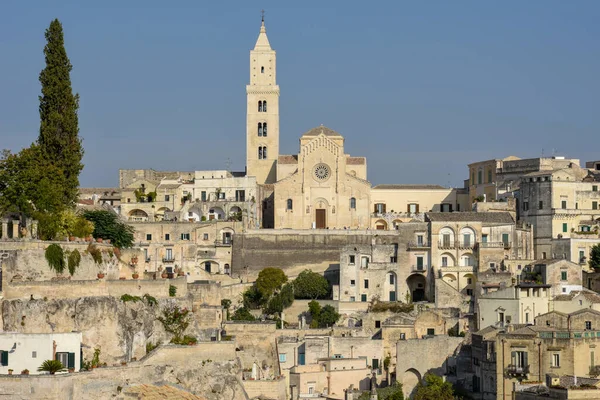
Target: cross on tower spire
<point x="262" y="14"/>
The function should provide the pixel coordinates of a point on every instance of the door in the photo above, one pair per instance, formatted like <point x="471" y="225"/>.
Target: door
<point x="320" y="217"/>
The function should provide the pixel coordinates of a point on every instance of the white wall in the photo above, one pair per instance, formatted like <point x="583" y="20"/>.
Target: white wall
<point x="22" y="345"/>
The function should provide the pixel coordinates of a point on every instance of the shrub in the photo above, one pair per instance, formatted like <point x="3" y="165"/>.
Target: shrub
<point x="95" y="253"/>
<point x="186" y="340"/>
<point x="55" y="257"/>
<point x="310" y="285"/>
<point x="52" y="367"/>
<point x="127" y="297"/>
<point x="151" y="300"/>
<point x="73" y="261"/>
<point x="172" y="290"/>
<point x="242" y="314"/>
<point x="151" y="346"/>
<point x="175" y="320"/>
<point x="392" y="306"/>
<point x="108" y="226"/>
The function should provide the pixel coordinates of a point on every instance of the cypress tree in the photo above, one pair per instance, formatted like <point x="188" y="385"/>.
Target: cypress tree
<point x="59" y="141"/>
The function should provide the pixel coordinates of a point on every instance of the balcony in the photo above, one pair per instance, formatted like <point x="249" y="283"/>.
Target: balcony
<point x="455" y="244"/>
<point x="514" y="371"/>
<point x="495" y="245"/>
<point x="168" y="259"/>
<point x="419" y="269"/>
<point x="419" y="245"/>
<point x="223" y="243"/>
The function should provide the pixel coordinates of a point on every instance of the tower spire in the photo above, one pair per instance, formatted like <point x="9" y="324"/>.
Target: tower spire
<point x="262" y="14"/>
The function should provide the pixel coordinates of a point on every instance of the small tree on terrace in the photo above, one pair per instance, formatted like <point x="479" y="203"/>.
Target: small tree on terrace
<point x="594" y="261"/>
<point x="269" y="280"/>
<point x="310" y="285"/>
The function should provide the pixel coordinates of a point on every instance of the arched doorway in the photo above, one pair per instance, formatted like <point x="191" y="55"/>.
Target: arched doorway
<point x="320" y="206"/>
<point x="416" y="287"/>
<point x="381" y="225"/>
<point x="138" y="215"/>
<point x="410" y="380"/>
<point x="390" y="287"/>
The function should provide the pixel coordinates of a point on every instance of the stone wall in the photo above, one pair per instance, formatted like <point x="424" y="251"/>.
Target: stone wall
<point x="72" y="289"/>
<point x="206" y="369"/>
<point x="256" y="342"/>
<point x="274" y="389"/>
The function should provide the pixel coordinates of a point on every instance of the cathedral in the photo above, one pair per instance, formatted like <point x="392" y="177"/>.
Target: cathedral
<point x="321" y="186"/>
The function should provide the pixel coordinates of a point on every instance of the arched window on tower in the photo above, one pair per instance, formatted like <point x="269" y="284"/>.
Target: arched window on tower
<point x="264" y="106"/>
<point x="262" y="70"/>
<point x="260" y="106"/>
<point x="352" y="203"/>
<point x="290" y="204"/>
<point x="264" y="129"/>
<point x="260" y="153"/>
<point x="260" y="129"/>
<point x="264" y="152"/>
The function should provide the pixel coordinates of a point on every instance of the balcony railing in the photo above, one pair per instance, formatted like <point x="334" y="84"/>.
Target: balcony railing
<point x="422" y="269"/>
<point x="517" y="371"/>
<point x="419" y="245"/>
<point x="455" y="244"/>
<point x="168" y="259"/>
<point x="223" y="243"/>
<point x="489" y="245"/>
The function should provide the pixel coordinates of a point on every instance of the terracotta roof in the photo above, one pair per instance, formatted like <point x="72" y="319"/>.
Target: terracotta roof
<point x="87" y="202"/>
<point x="288" y="159"/>
<point x="407" y="186"/>
<point x="321" y="129"/>
<point x="485" y="217"/>
<point x="355" y="160"/>
<point x="152" y="392"/>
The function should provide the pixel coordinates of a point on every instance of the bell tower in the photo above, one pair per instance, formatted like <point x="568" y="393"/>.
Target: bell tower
<point x="262" y="113"/>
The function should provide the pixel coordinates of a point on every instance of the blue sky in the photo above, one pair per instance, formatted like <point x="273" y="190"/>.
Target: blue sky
<point x="421" y="88"/>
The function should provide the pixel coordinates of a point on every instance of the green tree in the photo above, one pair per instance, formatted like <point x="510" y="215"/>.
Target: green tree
<point x="269" y="280"/>
<point x="310" y="285"/>
<point x="252" y="299"/>
<point x="280" y="301"/>
<point x="175" y="320"/>
<point x="594" y="260"/>
<point x="434" y="387"/>
<point x="108" y="226"/>
<point x="226" y="304"/>
<point x="59" y="140"/>
<point x="242" y="314"/>
<point x="52" y="367"/>
<point x="328" y="316"/>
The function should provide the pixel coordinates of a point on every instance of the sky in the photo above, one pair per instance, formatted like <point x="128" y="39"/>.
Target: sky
<point x="419" y="88"/>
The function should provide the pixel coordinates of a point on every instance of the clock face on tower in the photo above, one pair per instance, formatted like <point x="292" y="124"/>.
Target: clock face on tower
<point x="322" y="172"/>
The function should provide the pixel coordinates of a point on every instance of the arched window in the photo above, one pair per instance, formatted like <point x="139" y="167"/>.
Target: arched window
<point x="260" y="106"/>
<point x="260" y="153"/>
<point x="352" y="203"/>
<point x="262" y="70"/>
<point x="260" y="129"/>
<point x="264" y="129"/>
<point x="264" y="151"/>
<point x="264" y="106"/>
<point x="290" y="204"/>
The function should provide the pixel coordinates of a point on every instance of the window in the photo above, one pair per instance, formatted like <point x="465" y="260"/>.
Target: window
<point x="403" y="336"/>
<point x="352" y="298"/>
<point x="467" y="240"/>
<point x="541" y="205"/>
<point x="260" y="129"/>
<point x="148" y="236"/>
<point x="375" y="363"/>
<point x="444" y="261"/>
<point x="588" y="325"/>
<point x="167" y="197"/>
<point x="479" y="177"/>
<point x="205" y="236"/>
<point x="594" y="205"/>
<point x="469" y="281"/>
<point x="221" y="196"/>
<point x="66" y="359"/>
<point x="420" y="263"/>
<point x="264" y="131"/>
<point x="594" y="188"/>
<point x="525" y="206"/>
<point x="563" y="204"/>
<point x="392" y="280"/>
<point x="377" y="324"/>
<point x="556" y="360"/>
<point x="282" y="357"/>
<point x="472" y="178"/>
<point x="351" y="259"/>
<point x="3" y="358"/>
<point x="501" y="317"/>
<point x="264" y="106"/>
<point x="363" y="298"/>
<point x="262" y="70"/>
<point x="240" y="195"/>
<point x="489" y="176"/>
<point x="203" y="195"/>
<point x="430" y="331"/>
<point x="379" y="208"/>
<point x="262" y="152"/>
<point x="413" y="208"/>
<point x="364" y="262"/>
<point x="526" y="317"/>
<point x="420" y="240"/>
<point x="207" y="266"/>
<point x="544" y="255"/>
<point x="469" y="292"/>
<point x="505" y="238"/>
<point x="519" y="359"/>
<point x="484" y="238"/>
<point x="290" y="204"/>
<point x="185" y="236"/>
<point x="366" y="284"/>
<point x="260" y="106"/>
<point x="563" y="275"/>
<point x="167" y="237"/>
<point x="565" y="227"/>
<point x="169" y="255"/>
<point x="34" y="354"/>
<point x="352" y="282"/>
<point x="352" y="203"/>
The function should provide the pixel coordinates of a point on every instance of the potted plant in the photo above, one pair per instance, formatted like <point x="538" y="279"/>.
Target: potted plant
<point x="10" y="371"/>
<point x="134" y="260"/>
<point x="123" y="363"/>
<point x="25" y="372"/>
<point x="71" y="370"/>
<point x="180" y="272"/>
<point x="164" y="275"/>
<point x="99" y="240"/>
<point x="100" y="275"/>
<point x="122" y="278"/>
<point x="135" y="275"/>
<point x="71" y="238"/>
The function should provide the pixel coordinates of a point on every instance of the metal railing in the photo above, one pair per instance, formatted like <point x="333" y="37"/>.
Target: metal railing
<point x="419" y="268"/>
<point x="223" y="243"/>
<point x="515" y="370"/>
<point x="455" y="244"/>
<point x="168" y="259"/>
<point x="419" y="245"/>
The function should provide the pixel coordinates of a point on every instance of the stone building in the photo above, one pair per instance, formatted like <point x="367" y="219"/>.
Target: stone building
<point x="483" y="353"/>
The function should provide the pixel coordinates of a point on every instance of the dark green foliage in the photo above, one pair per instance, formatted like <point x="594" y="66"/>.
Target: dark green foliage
<point x="151" y="197"/>
<point x="226" y="304"/>
<point x="108" y="226"/>
<point x="175" y="320"/>
<point x="269" y="280"/>
<point x="95" y="252"/>
<point x="242" y="314"/>
<point x="434" y="387"/>
<point x="310" y="285"/>
<point x="172" y="290"/>
<point x="594" y="261"/>
<point x="52" y="366"/>
<point x="392" y="392"/>
<point x="322" y="317"/>
<point x="151" y="300"/>
<point x="252" y="298"/>
<point x="151" y="346"/>
<point x="58" y="140"/>
<point x="73" y="261"/>
<point x="55" y="257"/>
<point x="392" y="306"/>
<point x="186" y="340"/>
<point x="127" y="297"/>
<point x="280" y="301"/>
